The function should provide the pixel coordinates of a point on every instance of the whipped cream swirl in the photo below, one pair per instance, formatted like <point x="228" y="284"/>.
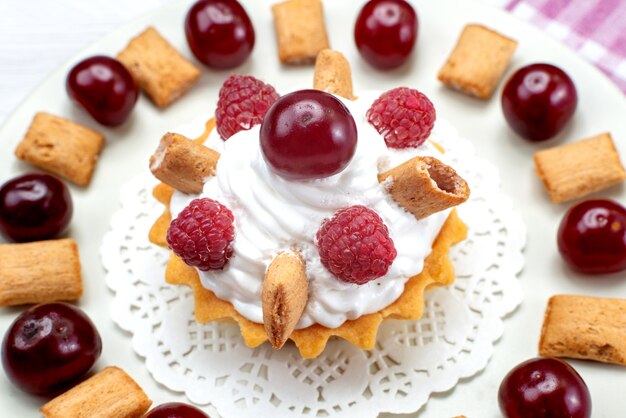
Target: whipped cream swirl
<point x="273" y="215"/>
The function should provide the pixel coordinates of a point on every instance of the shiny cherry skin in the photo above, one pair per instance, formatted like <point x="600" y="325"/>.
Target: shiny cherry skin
<point x="219" y="33"/>
<point x="385" y="32"/>
<point x="48" y="347"/>
<point x="592" y="237"/>
<point x="308" y="134"/>
<point x="544" y="388"/>
<point x="34" y="207"/>
<point x="104" y="88"/>
<point x="538" y="100"/>
<point x="175" y="410"/>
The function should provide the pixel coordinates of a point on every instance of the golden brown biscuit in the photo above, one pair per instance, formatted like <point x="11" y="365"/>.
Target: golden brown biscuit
<point x="62" y="147"/>
<point x="284" y="297"/>
<point x="585" y="327"/>
<point x="56" y="274"/>
<point x="478" y="61"/>
<point x="425" y="185"/>
<point x="183" y="163"/>
<point x="300" y="30"/>
<point x="333" y="74"/>
<point x="577" y="169"/>
<point x="158" y="68"/>
<point x="111" y="393"/>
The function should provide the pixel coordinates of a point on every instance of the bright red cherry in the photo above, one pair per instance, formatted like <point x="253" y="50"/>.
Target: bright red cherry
<point x="385" y="32"/>
<point x="538" y="100"/>
<point x="48" y="347"/>
<point x="544" y="388"/>
<point x="592" y="237"/>
<point x="176" y="410"/>
<point x="219" y="33"/>
<point x="104" y="87"/>
<point x="34" y="207"/>
<point x="308" y="134"/>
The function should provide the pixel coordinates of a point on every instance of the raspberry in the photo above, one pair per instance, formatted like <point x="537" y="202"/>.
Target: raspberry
<point x="202" y="234"/>
<point x="403" y="116"/>
<point x="242" y="103"/>
<point x="355" y="245"/>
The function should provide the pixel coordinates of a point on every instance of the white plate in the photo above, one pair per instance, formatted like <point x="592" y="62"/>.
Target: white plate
<point x="601" y="108"/>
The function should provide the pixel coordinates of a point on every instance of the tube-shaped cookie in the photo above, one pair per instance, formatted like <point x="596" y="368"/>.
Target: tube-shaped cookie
<point x="333" y="74"/>
<point x="182" y="163"/>
<point x="284" y="296"/>
<point x="425" y="185"/>
<point x="38" y="272"/>
<point x="110" y="393"/>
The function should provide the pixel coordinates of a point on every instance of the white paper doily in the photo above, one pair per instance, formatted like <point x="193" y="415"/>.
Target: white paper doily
<point x="412" y="359"/>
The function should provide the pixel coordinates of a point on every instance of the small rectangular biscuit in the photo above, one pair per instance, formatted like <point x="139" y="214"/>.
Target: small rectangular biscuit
<point x="158" y="68"/>
<point x="575" y="170"/>
<point x="300" y="30"/>
<point x="586" y="328"/>
<point x="111" y="393"/>
<point x="62" y="147"/>
<point x="333" y="74"/>
<point x="38" y="272"/>
<point x="478" y="61"/>
<point x="183" y="163"/>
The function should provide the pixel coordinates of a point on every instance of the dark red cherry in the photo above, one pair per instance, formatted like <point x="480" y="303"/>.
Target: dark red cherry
<point x="544" y="388"/>
<point x="176" y="410"/>
<point x="34" y="207"/>
<point x="104" y="87"/>
<point x="385" y="32"/>
<point x="538" y="100"/>
<point x="592" y="237"/>
<point x="308" y="134"/>
<point x="219" y="33"/>
<point x="48" y="347"/>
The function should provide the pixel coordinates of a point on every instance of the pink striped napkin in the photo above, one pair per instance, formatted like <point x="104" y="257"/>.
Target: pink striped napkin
<point x="594" y="28"/>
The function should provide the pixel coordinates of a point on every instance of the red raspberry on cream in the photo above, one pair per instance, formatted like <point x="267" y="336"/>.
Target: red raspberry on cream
<point x="355" y="245"/>
<point x="202" y="234"/>
<point x="243" y="101"/>
<point x="403" y="116"/>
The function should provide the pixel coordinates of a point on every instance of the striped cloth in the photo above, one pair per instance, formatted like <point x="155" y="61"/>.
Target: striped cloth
<point x="594" y="28"/>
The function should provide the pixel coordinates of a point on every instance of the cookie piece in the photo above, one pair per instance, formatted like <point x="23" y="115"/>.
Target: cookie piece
<point x="110" y="393"/>
<point x="575" y="170"/>
<point x="158" y="68"/>
<point x="183" y="163"/>
<point x="300" y="30"/>
<point x="478" y="61"/>
<point x="285" y="293"/>
<point x="62" y="147"/>
<point x="425" y="185"/>
<point x="39" y="272"/>
<point x="333" y="74"/>
<point x="586" y="328"/>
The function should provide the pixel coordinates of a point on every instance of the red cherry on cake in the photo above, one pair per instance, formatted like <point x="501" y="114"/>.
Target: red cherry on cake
<point x="308" y="134"/>
<point x="104" y="88"/>
<point x="48" y="347"/>
<point x="544" y="388"/>
<point x="34" y="207"/>
<point x="592" y="237"/>
<point x="538" y="100"/>
<point x="202" y="234"/>
<point x="403" y="116"/>
<point x="175" y="410"/>
<point x="219" y="33"/>
<point x="385" y="32"/>
<point x="355" y="245"/>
